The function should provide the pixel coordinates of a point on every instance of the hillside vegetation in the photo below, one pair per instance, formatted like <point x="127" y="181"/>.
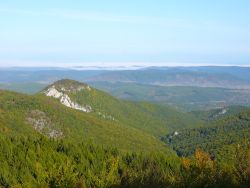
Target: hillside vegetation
<point x="17" y="110"/>
<point x="220" y="137"/>
<point x="36" y="161"/>
<point x="73" y="135"/>
<point x="151" y="118"/>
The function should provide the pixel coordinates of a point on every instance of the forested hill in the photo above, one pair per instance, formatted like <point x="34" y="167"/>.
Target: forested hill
<point x="151" y="118"/>
<point x="72" y="110"/>
<point x="36" y="161"/>
<point x="32" y="115"/>
<point x="219" y="138"/>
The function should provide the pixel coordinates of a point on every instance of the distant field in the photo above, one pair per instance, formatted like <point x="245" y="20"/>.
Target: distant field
<point x="184" y="97"/>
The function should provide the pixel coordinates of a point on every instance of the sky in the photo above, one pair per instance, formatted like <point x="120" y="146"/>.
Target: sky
<point x="124" y="32"/>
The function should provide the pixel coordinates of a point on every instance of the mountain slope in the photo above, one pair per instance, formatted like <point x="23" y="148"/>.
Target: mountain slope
<point x="22" y="114"/>
<point x="153" y="119"/>
<point x="219" y="138"/>
<point x="219" y="113"/>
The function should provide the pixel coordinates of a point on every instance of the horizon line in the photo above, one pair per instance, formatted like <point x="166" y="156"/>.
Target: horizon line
<point x="117" y="67"/>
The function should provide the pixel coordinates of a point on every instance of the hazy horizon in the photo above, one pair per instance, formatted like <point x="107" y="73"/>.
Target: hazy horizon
<point x="127" y="65"/>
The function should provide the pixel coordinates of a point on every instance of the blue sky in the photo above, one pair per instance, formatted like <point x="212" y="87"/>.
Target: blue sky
<point x="123" y="32"/>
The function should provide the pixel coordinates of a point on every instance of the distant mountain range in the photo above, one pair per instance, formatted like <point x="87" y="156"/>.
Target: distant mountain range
<point x="225" y="77"/>
<point x="195" y="76"/>
<point x="188" y="88"/>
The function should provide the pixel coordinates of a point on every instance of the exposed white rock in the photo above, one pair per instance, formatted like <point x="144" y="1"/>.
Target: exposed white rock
<point x="74" y="89"/>
<point x="176" y="133"/>
<point x="52" y="92"/>
<point x="65" y="99"/>
<point x="43" y="124"/>
<point x="223" y="111"/>
<point x="55" y="134"/>
<point x="88" y="88"/>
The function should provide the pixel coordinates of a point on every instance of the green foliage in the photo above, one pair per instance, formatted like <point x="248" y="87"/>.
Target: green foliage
<point x="211" y="115"/>
<point x="219" y="138"/>
<point x="75" y="125"/>
<point x="126" y="152"/>
<point x="151" y="118"/>
<point x="242" y="163"/>
<point x="36" y="161"/>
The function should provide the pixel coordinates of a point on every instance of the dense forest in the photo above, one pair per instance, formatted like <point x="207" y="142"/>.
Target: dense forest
<point x="45" y="143"/>
<point x="219" y="138"/>
<point x="36" y="161"/>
